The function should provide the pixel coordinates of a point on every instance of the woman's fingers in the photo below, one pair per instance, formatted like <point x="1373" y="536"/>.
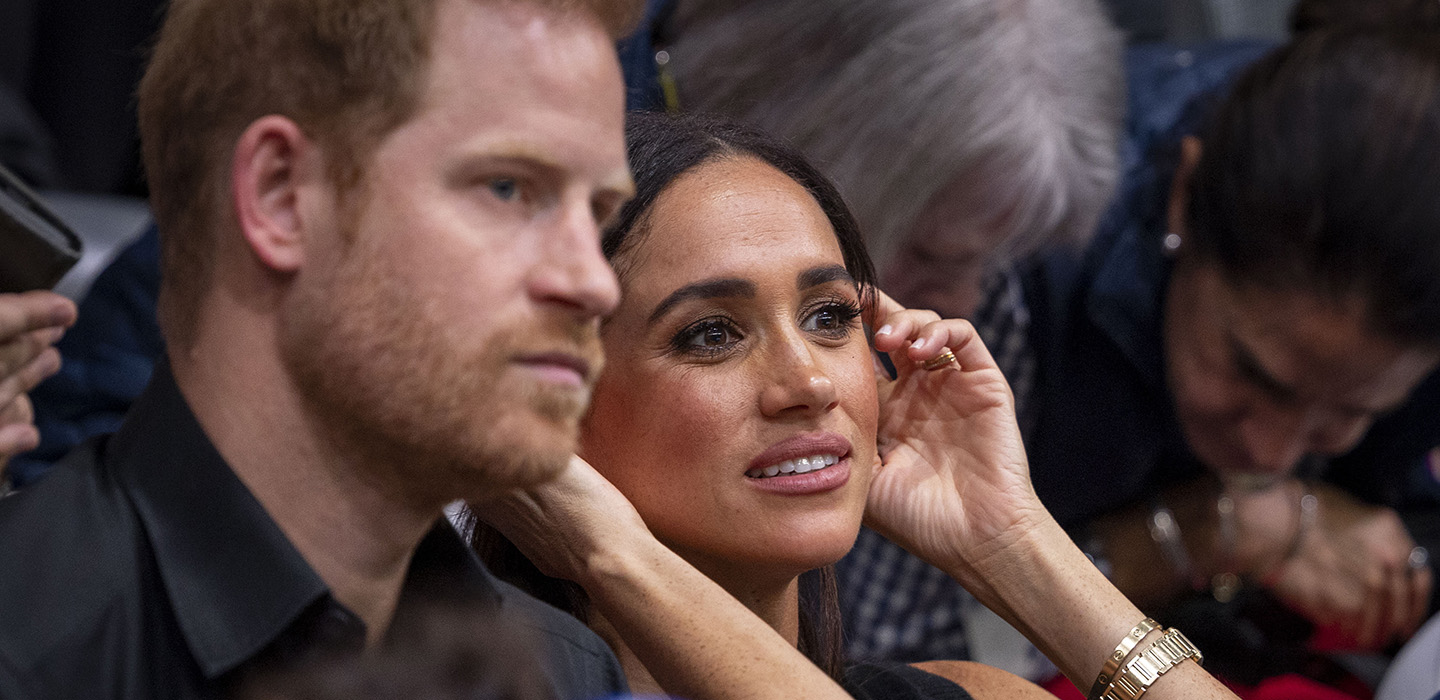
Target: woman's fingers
<point x="1422" y="580"/>
<point x="902" y="328"/>
<point x="922" y="336"/>
<point x="1375" y="612"/>
<point x="16" y="432"/>
<point x="1410" y="599"/>
<point x="29" y="323"/>
<point x="21" y="381"/>
<point x="21" y="350"/>
<point x="877" y="314"/>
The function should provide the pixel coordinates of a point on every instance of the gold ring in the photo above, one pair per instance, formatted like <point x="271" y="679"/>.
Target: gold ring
<point x="940" y="361"/>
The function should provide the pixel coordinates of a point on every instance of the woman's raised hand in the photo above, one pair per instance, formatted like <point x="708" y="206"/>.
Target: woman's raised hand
<point x="953" y="483"/>
<point x="560" y="524"/>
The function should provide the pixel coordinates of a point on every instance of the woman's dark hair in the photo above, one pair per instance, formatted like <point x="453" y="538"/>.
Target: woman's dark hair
<point x="1319" y="174"/>
<point x="1312" y="15"/>
<point x="662" y="148"/>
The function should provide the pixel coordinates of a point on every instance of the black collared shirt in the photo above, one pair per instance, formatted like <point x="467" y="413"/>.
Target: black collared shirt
<point x="142" y="567"/>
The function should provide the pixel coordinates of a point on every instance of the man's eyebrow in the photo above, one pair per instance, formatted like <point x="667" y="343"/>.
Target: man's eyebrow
<point x="705" y="289"/>
<point x="1251" y="369"/>
<point x="620" y="184"/>
<point x="817" y="276"/>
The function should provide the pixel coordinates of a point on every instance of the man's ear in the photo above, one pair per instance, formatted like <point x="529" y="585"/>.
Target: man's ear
<point x="271" y="164"/>
<point x="1179" y="206"/>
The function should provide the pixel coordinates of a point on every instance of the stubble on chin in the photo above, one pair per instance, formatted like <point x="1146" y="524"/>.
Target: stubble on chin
<point x="431" y="413"/>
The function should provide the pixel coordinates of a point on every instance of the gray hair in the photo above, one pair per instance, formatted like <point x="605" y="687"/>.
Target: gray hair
<point x="1018" y="101"/>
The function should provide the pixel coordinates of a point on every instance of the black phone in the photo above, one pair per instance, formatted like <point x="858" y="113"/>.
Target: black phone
<point x="36" y="247"/>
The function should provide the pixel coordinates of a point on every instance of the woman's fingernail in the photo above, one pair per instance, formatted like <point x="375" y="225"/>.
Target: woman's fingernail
<point x="920" y="344"/>
<point x="885" y="330"/>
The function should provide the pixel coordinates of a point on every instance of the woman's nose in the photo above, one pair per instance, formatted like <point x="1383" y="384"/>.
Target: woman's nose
<point x="799" y="384"/>
<point x="1277" y="439"/>
<point x="1272" y="448"/>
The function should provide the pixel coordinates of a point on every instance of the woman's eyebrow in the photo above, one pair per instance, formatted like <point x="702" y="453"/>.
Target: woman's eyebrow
<point x="817" y="276"/>
<point x="707" y="289"/>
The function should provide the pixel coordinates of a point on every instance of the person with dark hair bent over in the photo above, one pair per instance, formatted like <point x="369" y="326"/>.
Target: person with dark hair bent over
<point x="1239" y="391"/>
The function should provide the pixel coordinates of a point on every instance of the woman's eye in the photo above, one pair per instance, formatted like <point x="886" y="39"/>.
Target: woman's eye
<point x="711" y="335"/>
<point x="825" y="319"/>
<point x="706" y="338"/>
<point x="831" y="319"/>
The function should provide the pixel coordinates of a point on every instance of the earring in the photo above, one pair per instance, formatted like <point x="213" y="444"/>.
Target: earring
<point x="1171" y="243"/>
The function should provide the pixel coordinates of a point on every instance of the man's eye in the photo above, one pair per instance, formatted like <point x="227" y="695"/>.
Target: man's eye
<point x="504" y="188"/>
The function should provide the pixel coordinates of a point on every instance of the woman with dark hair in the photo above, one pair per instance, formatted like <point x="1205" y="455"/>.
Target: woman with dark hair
<point x="1239" y="388"/>
<point x="739" y="413"/>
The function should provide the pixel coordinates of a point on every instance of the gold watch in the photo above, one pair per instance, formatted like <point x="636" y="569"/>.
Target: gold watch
<point x="1137" y="676"/>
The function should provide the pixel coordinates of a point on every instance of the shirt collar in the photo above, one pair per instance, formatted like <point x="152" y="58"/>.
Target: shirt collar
<point x="1127" y="300"/>
<point x="234" y="580"/>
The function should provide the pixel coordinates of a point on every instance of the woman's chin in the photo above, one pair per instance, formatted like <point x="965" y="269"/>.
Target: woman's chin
<point x="772" y="559"/>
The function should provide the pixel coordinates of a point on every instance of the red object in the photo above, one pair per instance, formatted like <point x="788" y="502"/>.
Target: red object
<point x="1062" y="688"/>
<point x="1287" y="687"/>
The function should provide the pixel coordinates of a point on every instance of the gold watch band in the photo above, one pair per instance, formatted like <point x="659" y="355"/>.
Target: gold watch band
<point x="1112" y="662"/>
<point x="1141" y="672"/>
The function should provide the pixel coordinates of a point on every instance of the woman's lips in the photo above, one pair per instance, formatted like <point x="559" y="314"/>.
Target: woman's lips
<point x="819" y="481"/>
<point x="808" y="463"/>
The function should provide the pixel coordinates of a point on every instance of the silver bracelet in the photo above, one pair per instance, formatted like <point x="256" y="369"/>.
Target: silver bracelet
<point x="1165" y="531"/>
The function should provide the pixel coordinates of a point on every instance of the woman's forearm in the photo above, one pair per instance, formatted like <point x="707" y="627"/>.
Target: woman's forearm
<point x="1044" y="585"/>
<point x="693" y="637"/>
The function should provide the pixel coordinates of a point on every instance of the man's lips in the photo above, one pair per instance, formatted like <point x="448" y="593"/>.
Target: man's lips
<point x="560" y="366"/>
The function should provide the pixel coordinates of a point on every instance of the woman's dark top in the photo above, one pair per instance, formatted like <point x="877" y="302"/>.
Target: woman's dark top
<point x="892" y="681"/>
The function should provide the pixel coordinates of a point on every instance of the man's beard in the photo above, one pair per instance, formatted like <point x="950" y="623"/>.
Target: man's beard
<point x="436" y="415"/>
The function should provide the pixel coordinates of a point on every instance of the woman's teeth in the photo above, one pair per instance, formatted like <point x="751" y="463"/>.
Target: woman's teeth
<point x="799" y="465"/>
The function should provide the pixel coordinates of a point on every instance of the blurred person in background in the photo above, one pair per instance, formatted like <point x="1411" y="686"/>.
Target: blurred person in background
<point x="1236" y="380"/>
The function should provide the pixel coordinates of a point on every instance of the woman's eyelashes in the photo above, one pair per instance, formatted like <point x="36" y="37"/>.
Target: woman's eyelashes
<point x="708" y="337"/>
<point x="714" y="336"/>
<point x="834" y="318"/>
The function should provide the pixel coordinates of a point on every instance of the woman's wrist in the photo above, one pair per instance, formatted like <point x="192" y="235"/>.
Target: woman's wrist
<point x="1042" y="583"/>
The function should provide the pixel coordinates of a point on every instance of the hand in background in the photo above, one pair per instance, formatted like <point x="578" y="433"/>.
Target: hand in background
<point x="1351" y="573"/>
<point x="30" y="324"/>
<point x="953" y="484"/>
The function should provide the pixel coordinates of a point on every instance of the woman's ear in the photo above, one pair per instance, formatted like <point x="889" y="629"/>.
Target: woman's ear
<point x="272" y="162"/>
<point x="1179" y="205"/>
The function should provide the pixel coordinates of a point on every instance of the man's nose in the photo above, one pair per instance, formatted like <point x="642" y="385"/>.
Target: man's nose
<point x="572" y="271"/>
